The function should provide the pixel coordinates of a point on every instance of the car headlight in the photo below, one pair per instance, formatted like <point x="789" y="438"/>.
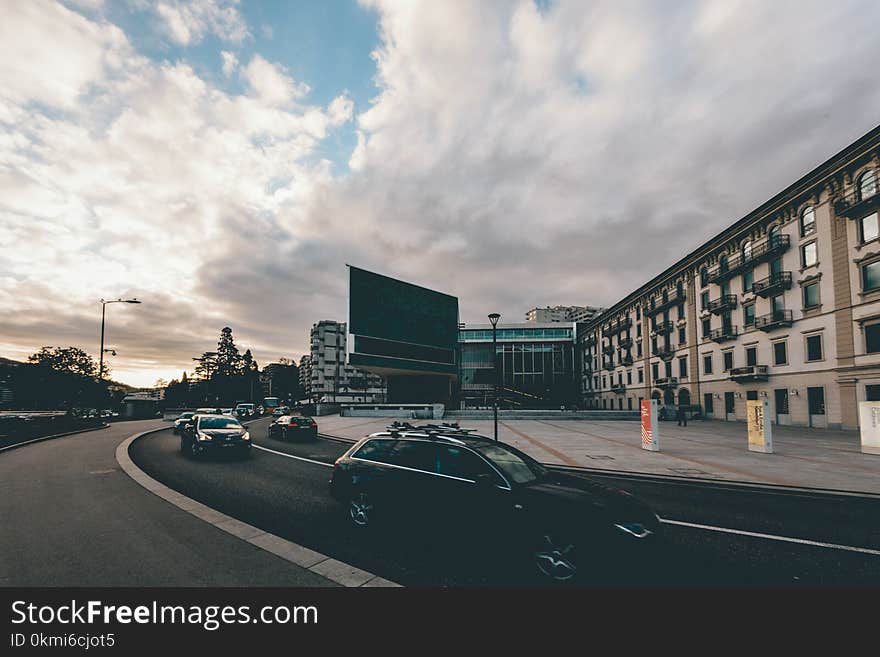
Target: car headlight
<point x="246" y="436"/>
<point x="204" y="436"/>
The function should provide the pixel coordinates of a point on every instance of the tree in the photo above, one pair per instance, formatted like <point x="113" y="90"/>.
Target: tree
<point x="72" y="360"/>
<point x="229" y="361"/>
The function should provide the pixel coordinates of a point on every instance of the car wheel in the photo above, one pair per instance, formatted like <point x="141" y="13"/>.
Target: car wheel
<point x="556" y="557"/>
<point x="360" y="510"/>
<point x="194" y="451"/>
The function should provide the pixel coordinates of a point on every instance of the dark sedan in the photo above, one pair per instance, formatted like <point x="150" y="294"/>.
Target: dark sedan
<point x="296" y="427"/>
<point x="214" y="432"/>
<point x="569" y="527"/>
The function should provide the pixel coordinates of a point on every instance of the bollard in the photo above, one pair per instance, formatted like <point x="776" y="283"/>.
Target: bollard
<point x="650" y="430"/>
<point x="760" y="430"/>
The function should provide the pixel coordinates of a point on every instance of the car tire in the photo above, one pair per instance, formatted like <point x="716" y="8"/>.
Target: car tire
<point x="556" y="557"/>
<point x="361" y="511"/>
<point x="193" y="450"/>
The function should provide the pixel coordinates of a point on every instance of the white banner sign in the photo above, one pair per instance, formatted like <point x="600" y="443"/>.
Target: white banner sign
<point x="650" y="433"/>
<point x="760" y="430"/>
<point x="869" y="426"/>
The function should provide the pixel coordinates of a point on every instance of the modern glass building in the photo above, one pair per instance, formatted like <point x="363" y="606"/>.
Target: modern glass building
<point x="536" y="365"/>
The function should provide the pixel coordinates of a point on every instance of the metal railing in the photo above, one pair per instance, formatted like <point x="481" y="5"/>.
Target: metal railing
<point x="724" y="302"/>
<point x="776" y="319"/>
<point x="773" y="283"/>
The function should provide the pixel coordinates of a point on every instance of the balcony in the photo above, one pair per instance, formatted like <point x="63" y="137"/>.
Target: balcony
<point x="591" y="340"/>
<point x="667" y="382"/>
<point x="608" y="349"/>
<point x="618" y="388"/>
<point x="667" y="353"/>
<point x="617" y="326"/>
<point x="724" y="302"/>
<point x="761" y="251"/>
<point x="670" y="299"/>
<point x="776" y="319"/>
<point x="723" y="334"/>
<point x="663" y="328"/>
<point x="854" y="205"/>
<point x="750" y="373"/>
<point x="607" y="364"/>
<point x="625" y="343"/>
<point x="626" y="360"/>
<point x="773" y="284"/>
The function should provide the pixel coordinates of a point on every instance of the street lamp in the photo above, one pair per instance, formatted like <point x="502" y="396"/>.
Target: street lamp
<point x="103" y="313"/>
<point x="493" y="318"/>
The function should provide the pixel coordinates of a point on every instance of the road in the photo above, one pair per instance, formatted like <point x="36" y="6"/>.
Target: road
<point x="288" y="497"/>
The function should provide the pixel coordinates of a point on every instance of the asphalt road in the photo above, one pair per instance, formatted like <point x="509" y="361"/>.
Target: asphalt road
<point x="289" y="497"/>
<point x="69" y="516"/>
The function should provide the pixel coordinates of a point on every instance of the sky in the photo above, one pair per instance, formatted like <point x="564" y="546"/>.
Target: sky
<point x="223" y="160"/>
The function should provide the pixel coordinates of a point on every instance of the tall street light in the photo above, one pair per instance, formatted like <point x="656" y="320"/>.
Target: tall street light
<point x="494" y="317"/>
<point x="103" y="315"/>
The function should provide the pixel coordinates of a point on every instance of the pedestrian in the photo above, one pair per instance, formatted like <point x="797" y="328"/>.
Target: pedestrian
<point x="681" y="416"/>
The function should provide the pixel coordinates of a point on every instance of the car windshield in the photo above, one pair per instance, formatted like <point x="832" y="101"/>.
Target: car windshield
<point x="186" y="416"/>
<point x="516" y="466"/>
<point x="218" y="423"/>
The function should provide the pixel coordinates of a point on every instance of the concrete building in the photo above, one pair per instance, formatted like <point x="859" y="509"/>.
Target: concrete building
<point x="563" y="314"/>
<point x="305" y="376"/>
<point x="537" y="361"/>
<point x="783" y="305"/>
<point x="331" y="379"/>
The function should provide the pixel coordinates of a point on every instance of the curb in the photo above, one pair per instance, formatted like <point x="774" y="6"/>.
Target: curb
<point x="331" y="569"/>
<point x="54" y="435"/>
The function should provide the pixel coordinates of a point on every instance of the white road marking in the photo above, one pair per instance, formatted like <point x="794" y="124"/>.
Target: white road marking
<point x="771" y="537"/>
<point x="291" y="456"/>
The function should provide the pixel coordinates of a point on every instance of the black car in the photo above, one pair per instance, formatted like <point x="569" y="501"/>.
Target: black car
<point x="293" y="426"/>
<point x="214" y="432"/>
<point x="565" y="525"/>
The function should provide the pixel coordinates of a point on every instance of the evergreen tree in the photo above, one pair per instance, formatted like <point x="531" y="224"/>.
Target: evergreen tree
<point x="229" y="361"/>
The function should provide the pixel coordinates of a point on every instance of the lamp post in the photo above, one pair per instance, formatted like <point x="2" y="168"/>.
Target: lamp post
<point x="103" y="315"/>
<point x="494" y="317"/>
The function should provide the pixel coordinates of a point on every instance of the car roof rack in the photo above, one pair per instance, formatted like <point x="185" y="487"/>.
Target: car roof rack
<point x="442" y="429"/>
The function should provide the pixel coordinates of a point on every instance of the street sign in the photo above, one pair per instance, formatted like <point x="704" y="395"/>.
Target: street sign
<point x="760" y="430"/>
<point x="650" y="430"/>
<point x="869" y="426"/>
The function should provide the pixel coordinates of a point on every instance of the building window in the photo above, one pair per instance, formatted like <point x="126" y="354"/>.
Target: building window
<point x="816" y="400"/>
<point x="704" y="301"/>
<point x="872" y="339"/>
<point x="747" y="251"/>
<point x="708" y="403"/>
<point x="704" y="277"/>
<point x="808" y="222"/>
<point x="872" y="393"/>
<point x="780" y="353"/>
<point x="775" y="233"/>
<point x="728" y="360"/>
<point x="629" y="377"/>
<point x="604" y="382"/>
<point x="707" y="327"/>
<point x="639" y="349"/>
<point x="751" y="356"/>
<point x="781" y="397"/>
<point x="681" y="336"/>
<point x="722" y="264"/>
<point x="707" y="364"/>
<point x="811" y="295"/>
<point x="749" y="314"/>
<point x="683" y="367"/>
<point x="814" y="347"/>
<point x="655" y="371"/>
<point x="871" y="276"/>
<point x="638" y="330"/>
<point x="748" y="280"/>
<point x="867" y="185"/>
<point x="869" y="228"/>
<point x="809" y="255"/>
<point x="667" y="368"/>
<point x="641" y="375"/>
<point x="681" y="311"/>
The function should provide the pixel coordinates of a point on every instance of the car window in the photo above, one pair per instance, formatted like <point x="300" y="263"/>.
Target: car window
<point x="460" y="462"/>
<point x="375" y="450"/>
<point x="516" y="466"/>
<point x="218" y="423"/>
<point x="415" y="454"/>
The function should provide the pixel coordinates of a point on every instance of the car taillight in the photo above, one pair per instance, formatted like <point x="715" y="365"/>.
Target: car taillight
<point x="292" y="424"/>
<point x="314" y="424"/>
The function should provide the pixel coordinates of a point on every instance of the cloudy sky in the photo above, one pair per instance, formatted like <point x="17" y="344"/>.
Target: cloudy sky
<point x="224" y="160"/>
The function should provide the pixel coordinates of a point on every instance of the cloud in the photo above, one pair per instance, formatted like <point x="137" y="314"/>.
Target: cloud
<point x="188" y="22"/>
<point x="270" y="84"/>
<point x="230" y="63"/>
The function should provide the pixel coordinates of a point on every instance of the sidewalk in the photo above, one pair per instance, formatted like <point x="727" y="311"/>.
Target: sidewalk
<point x="705" y="449"/>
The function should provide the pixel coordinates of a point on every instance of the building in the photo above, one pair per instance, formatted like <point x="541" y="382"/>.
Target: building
<point x="537" y="365"/>
<point x="330" y="378"/>
<point x="305" y="376"/>
<point x="783" y="305"/>
<point x="563" y="314"/>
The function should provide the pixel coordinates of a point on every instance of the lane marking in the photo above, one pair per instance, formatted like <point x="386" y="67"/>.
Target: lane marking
<point x="772" y="537"/>
<point x="291" y="456"/>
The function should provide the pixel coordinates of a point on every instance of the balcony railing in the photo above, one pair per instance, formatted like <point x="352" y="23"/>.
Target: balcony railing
<point x="617" y="326"/>
<point x="766" y="249"/>
<point x="666" y="382"/>
<point x="724" y="302"/>
<point x="656" y="304"/>
<point x="666" y="352"/>
<point x="776" y="319"/>
<point x="618" y="388"/>
<point x="626" y="360"/>
<point x="662" y="328"/>
<point x="724" y="334"/>
<point x="772" y="284"/>
<point x="607" y="364"/>
<point x="853" y="204"/>
<point x="750" y="373"/>
<point x="608" y="349"/>
<point x="625" y="343"/>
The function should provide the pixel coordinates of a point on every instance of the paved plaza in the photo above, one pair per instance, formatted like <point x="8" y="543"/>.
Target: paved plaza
<point x="810" y="458"/>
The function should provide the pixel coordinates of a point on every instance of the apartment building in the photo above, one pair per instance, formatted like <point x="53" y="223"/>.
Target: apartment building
<point x="783" y="305"/>
<point x="562" y="314"/>
<point x="305" y="375"/>
<point x="331" y="379"/>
